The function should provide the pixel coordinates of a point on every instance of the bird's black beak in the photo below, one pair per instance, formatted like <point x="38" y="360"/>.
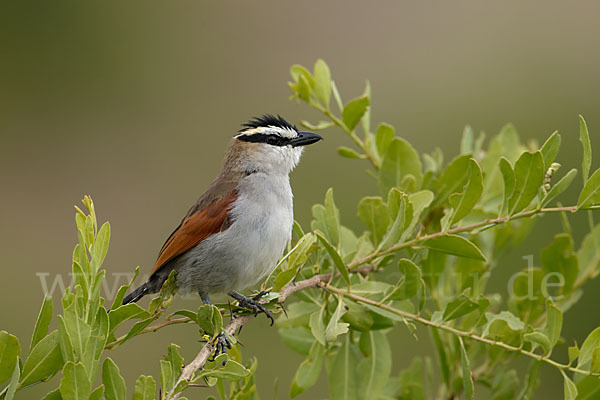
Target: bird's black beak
<point x="305" y="138"/>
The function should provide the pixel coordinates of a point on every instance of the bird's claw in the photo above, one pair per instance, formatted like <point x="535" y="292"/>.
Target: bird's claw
<point x="252" y="303"/>
<point x="222" y="344"/>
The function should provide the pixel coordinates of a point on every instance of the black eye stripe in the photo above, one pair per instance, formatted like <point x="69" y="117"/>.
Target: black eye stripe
<point x="273" y="140"/>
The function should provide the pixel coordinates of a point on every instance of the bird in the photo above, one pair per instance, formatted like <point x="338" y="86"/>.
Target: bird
<point x="234" y="235"/>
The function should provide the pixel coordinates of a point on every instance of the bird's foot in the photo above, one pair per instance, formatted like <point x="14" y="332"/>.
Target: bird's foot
<point x="222" y="344"/>
<point x="252" y="303"/>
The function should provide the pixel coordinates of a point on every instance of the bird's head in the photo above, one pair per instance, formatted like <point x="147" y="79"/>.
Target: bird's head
<point x="270" y="143"/>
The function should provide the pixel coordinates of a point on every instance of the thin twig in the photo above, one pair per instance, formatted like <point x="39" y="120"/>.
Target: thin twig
<point x="457" y="332"/>
<point x="150" y="329"/>
<point x="466" y="228"/>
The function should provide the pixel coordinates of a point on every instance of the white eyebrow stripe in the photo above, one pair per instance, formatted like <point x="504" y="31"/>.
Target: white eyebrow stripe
<point x="270" y="130"/>
<point x="283" y="132"/>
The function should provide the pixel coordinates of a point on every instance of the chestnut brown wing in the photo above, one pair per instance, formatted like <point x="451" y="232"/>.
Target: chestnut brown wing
<point x="195" y="228"/>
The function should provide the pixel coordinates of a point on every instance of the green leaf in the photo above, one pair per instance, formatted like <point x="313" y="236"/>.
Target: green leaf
<point x="326" y="218"/>
<point x="467" y="376"/>
<point x="174" y="358"/>
<point x="303" y="89"/>
<point x="589" y="255"/>
<point x="166" y="376"/>
<point x="337" y="259"/>
<point x="554" y="321"/>
<point x="558" y="259"/>
<point x="359" y="318"/>
<point x="399" y="161"/>
<point x="595" y="364"/>
<point x="296" y="71"/>
<point x="458" y="307"/>
<point x="123" y="313"/>
<point x="44" y="360"/>
<point x="570" y="390"/>
<point x="466" y="142"/>
<point x="587" y="349"/>
<point x="374" y="370"/>
<point x="66" y="347"/>
<point x="118" y="301"/>
<point x="420" y="201"/>
<point x="209" y="319"/>
<point x="366" y="120"/>
<point x="539" y="338"/>
<point x="13" y="384"/>
<point x="319" y="126"/>
<point x="505" y="384"/>
<point x="550" y="149"/>
<point x="531" y="382"/>
<point x="308" y="371"/>
<point x="78" y="330"/>
<point x="332" y="217"/>
<point x="384" y="137"/>
<point x="97" y="393"/>
<point x="401" y="213"/>
<point x="557" y="189"/>
<point x="573" y="353"/>
<point x="10" y="349"/>
<point x="100" y="246"/>
<point x="42" y="323"/>
<point x="513" y="322"/>
<point x="453" y="179"/>
<point x="336" y="96"/>
<point x="410" y="383"/>
<point x="455" y="245"/>
<point x="283" y="278"/>
<point x="93" y="351"/>
<point x="372" y="287"/>
<point x="588" y="388"/>
<point x="343" y="381"/>
<point x="322" y="77"/>
<point x="298" y="255"/>
<point x="442" y="356"/>
<point x="529" y="176"/>
<point x="231" y="371"/>
<point x="464" y="203"/>
<point x="75" y="384"/>
<point x="113" y="381"/>
<point x="584" y="138"/>
<point x="373" y="212"/>
<point x="590" y="194"/>
<point x="335" y="327"/>
<point x="349" y="244"/>
<point x="298" y="339"/>
<point x="317" y="327"/>
<point x="508" y="176"/>
<point x="411" y="283"/>
<point x="354" y="111"/>
<point x="144" y="388"/>
<point x="347" y="152"/>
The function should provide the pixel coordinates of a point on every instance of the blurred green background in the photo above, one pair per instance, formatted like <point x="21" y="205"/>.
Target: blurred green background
<point x="134" y="102"/>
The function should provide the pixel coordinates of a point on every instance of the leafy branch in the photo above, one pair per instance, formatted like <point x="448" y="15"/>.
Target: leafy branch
<point x="457" y="332"/>
<point x="486" y="224"/>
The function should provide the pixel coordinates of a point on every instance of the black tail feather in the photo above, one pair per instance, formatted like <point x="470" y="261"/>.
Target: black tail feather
<point x="137" y="294"/>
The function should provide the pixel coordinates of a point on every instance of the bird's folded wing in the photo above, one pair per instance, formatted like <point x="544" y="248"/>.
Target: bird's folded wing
<point x="195" y="228"/>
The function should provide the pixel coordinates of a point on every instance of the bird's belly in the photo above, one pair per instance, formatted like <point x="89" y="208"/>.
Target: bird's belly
<point x="261" y="244"/>
<point x="239" y="257"/>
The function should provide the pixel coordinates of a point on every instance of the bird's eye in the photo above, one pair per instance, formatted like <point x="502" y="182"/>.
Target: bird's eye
<point x="272" y="140"/>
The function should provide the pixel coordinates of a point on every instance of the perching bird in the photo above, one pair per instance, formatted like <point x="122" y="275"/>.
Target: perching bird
<point x="234" y="235"/>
